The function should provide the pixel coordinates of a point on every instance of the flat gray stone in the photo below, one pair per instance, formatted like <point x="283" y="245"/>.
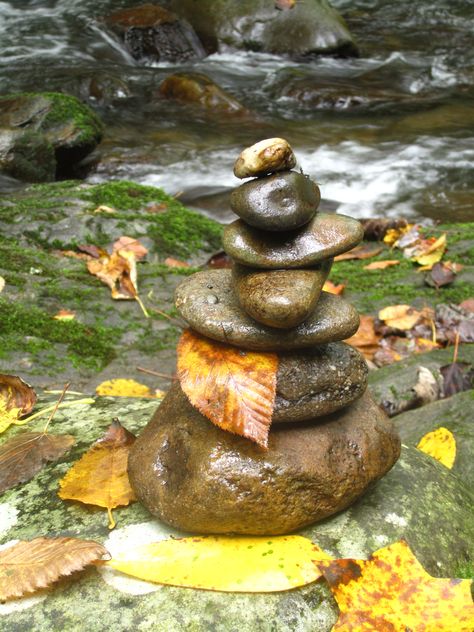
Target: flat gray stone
<point x="318" y="381"/>
<point x="280" y="298"/>
<point x="327" y="235"/>
<point x="207" y="301"/>
<point x="282" y="201"/>
<point x="310" y="471"/>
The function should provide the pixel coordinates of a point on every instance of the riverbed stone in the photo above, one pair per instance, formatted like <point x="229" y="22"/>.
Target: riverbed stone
<point x="27" y="156"/>
<point x="280" y="298"/>
<point x="196" y="477"/>
<point x="318" y="381"/>
<point x="207" y="301"/>
<point x="267" y="156"/>
<point x="279" y="202"/>
<point x="199" y="89"/>
<point x="327" y="235"/>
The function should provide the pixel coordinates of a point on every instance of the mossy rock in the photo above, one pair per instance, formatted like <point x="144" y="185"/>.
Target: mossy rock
<point x="71" y="127"/>
<point x="419" y="499"/>
<point x="27" y="155"/>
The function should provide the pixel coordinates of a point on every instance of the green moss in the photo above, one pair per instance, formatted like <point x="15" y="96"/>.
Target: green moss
<point x="124" y="195"/>
<point x="28" y="329"/>
<point x="465" y="571"/>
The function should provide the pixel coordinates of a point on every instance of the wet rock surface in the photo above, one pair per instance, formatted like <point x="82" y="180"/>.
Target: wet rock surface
<point x="325" y="236"/>
<point x="267" y="156"/>
<point x="27" y="156"/>
<point x="318" y="381"/>
<point x="195" y="477"/>
<point x="198" y="89"/>
<point x="279" y="298"/>
<point x="280" y="202"/>
<point x="207" y="301"/>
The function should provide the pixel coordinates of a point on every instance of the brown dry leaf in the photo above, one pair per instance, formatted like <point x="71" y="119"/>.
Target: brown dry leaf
<point x="17" y="399"/>
<point x="366" y="340"/>
<point x="439" y="275"/>
<point x="400" y="316"/>
<point x="130" y="244"/>
<point x="233" y="388"/>
<point x="65" y="314"/>
<point x="100" y="476"/>
<point x="28" y="566"/>
<point x="364" y="251"/>
<point x="457" y="377"/>
<point x="468" y="305"/>
<point x="72" y="254"/>
<point x="392" y="592"/>
<point x="176" y="263"/>
<point x="381" y="265"/>
<point x="25" y="455"/>
<point x="333" y="289"/>
<point x="219" y="260"/>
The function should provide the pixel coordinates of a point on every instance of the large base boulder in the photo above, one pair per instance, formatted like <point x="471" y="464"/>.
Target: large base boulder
<point x="196" y="477"/>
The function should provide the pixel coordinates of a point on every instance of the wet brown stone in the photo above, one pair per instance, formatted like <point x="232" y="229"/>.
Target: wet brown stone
<point x="282" y="201"/>
<point x="208" y="302"/>
<point x="197" y="477"/>
<point x="193" y="87"/>
<point x="280" y="298"/>
<point x="318" y="381"/>
<point x="327" y="235"/>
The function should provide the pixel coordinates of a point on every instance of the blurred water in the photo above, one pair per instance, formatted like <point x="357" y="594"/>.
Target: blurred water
<point x="390" y="133"/>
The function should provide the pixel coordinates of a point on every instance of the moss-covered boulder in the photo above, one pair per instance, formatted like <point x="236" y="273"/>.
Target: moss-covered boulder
<point x="309" y="28"/>
<point x="419" y="499"/>
<point x="27" y="155"/>
<point x="69" y="126"/>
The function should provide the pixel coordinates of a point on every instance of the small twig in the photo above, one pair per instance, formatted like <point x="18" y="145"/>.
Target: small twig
<point x="456" y="347"/>
<point x="56" y="392"/>
<point x="166" y="376"/>
<point x="170" y="318"/>
<point x="144" y="310"/>
<point x="53" y="412"/>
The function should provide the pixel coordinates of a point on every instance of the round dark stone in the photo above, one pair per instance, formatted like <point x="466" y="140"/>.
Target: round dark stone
<point x="280" y="298"/>
<point x="224" y="320"/>
<point x="327" y="235"/>
<point x="283" y="201"/>
<point x="318" y="381"/>
<point x="199" y="478"/>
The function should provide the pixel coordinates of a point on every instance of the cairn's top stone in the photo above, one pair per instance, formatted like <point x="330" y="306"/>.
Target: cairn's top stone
<point x="267" y="156"/>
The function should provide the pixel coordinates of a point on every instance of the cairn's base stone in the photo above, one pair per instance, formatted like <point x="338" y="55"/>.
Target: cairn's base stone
<point x="197" y="478"/>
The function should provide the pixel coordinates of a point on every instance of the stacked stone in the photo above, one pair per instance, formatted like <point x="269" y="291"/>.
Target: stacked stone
<point x="329" y="441"/>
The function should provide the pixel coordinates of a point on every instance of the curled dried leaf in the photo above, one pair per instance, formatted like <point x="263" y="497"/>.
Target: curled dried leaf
<point x="17" y="399"/>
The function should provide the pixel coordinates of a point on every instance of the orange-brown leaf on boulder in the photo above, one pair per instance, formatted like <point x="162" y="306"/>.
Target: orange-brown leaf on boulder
<point x="28" y="566"/>
<point x="366" y="340"/>
<point x="23" y="456"/>
<point x="330" y="287"/>
<point x="233" y="388"/>
<point x="381" y="265"/>
<point x="100" y="476"/>
<point x="130" y="244"/>
<point x="17" y="399"/>
<point x="364" y="251"/>
<point x="392" y="592"/>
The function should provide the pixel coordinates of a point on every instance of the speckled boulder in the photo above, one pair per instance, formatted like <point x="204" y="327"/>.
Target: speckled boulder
<point x="197" y="477"/>
<point x="318" y="381"/>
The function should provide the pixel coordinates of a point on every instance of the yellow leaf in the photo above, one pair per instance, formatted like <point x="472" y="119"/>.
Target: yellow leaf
<point x="230" y="564"/>
<point x="431" y="254"/>
<point x="28" y="566"/>
<point x="124" y="388"/>
<point x="441" y="445"/>
<point x="233" y="388"/>
<point x="392" y="592"/>
<point x="393" y="234"/>
<point x="400" y="316"/>
<point x="100" y="476"/>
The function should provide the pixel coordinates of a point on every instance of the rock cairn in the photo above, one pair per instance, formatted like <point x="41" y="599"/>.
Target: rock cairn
<point x="328" y="441"/>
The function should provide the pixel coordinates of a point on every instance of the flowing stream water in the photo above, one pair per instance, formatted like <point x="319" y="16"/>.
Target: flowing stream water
<point x="387" y="134"/>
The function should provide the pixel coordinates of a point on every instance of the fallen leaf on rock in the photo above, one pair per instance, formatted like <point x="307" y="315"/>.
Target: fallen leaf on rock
<point x="125" y="388"/>
<point x="427" y="387"/>
<point x="24" y="455"/>
<point x="366" y="340"/>
<point x="233" y="388"/>
<point x="441" y="445"/>
<point x="17" y="399"/>
<point x="92" y="251"/>
<point x="427" y="252"/>
<point x="364" y="251"/>
<point x="100" y="476"/>
<point x="219" y="260"/>
<point x="2" y="283"/>
<point x="457" y="377"/>
<point x="377" y="227"/>
<point x="65" y="314"/>
<point x="28" y="566"/>
<point x="393" y="235"/>
<point x="392" y="592"/>
<point x="400" y="316"/>
<point x="439" y="275"/>
<point x="83" y="256"/>
<point x="130" y="244"/>
<point x="230" y="564"/>
<point x="104" y="209"/>
<point x="454" y="322"/>
<point x="381" y="265"/>
<point x="333" y="289"/>
<point x="176" y="263"/>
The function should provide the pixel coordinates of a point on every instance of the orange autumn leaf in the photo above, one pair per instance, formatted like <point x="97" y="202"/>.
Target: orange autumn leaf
<point x="365" y="339"/>
<point x="233" y="388"/>
<point x="130" y="244"/>
<point x="28" y="566"/>
<point x="171" y="262"/>
<point x="65" y="314"/>
<point x="100" y="476"/>
<point x="364" y="251"/>
<point x="392" y="592"/>
<point x="381" y="265"/>
<point x="333" y="289"/>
